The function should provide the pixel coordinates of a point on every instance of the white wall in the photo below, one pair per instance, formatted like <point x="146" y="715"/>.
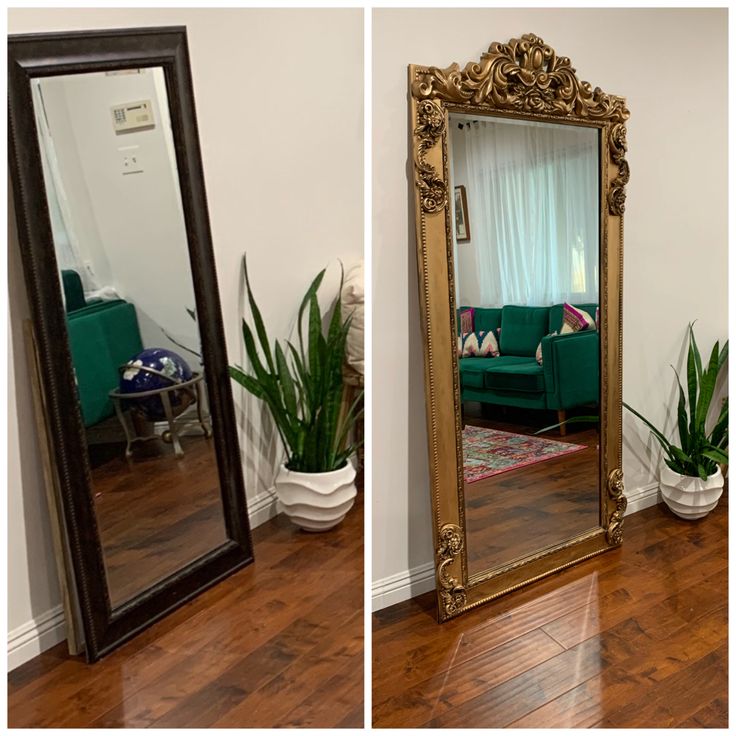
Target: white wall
<point x="675" y="241"/>
<point x="279" y="103"/>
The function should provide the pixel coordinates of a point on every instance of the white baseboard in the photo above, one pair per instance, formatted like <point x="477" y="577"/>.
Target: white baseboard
<point x="642" y="498"/>
<point x="35" y="636"/>
<point x="262" y="507"/>
<point x="405" y="585"/>
<point x="402" y="586"/>
<point x="45" y="631"/>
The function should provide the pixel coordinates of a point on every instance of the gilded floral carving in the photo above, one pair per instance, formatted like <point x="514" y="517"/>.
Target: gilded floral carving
<point x="450" y="545"/>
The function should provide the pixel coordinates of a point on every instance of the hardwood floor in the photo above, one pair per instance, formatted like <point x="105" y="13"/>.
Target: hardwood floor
<point x="554" y="500"/>
<point x="278" y="644"/>
<point x="155" y="512"/>
<point x="637" y="637"/>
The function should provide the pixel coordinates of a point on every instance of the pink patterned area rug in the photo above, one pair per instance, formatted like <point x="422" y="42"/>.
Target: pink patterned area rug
<point x="490" y="452"/>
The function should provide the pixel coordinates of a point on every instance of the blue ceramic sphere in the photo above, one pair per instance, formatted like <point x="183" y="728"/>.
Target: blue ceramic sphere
<point x="170" y="368"/>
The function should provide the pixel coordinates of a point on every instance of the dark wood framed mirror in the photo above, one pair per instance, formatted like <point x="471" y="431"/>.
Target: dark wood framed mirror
<point x="117" y="254"/>
<point x="522" y="314"/>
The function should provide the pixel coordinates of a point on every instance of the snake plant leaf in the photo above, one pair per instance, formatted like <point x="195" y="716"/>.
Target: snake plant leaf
<point x="707" y="386"/>
<point x="716" y="455"/>
<point x="246" y="381"/>
<point x="693" y="347"/>
<point x="723" y="357"/>
<point x="287" y="383"/>
<point x="311" y="291"/>
<point x="693" y="374"/>
<point x="682" y="415"/>
<point x="257" y="319"/>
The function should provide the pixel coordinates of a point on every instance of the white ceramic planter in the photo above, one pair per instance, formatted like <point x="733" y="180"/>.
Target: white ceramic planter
<point x="316" y="502"/>
<point x="688" y="497"/>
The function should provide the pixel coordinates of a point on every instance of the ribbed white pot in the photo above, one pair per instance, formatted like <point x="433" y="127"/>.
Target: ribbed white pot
<point x="316" y="502"/>
<point x="688" y="497"/>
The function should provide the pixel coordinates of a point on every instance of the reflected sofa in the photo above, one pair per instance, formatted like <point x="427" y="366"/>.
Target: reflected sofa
<point x="569" y="376"/>
<point x="103" y="335"/>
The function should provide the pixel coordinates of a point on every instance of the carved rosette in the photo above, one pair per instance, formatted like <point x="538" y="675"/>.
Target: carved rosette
<point x="524" y="75"/>
<point x="449" y="547"/>
<point x="430" y="127"/>
<point x="614" y="532"/>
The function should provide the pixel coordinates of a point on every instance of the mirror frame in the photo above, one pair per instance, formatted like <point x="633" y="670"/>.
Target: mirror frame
<point x="53" y="54"/>
<point x="522" y="79"/>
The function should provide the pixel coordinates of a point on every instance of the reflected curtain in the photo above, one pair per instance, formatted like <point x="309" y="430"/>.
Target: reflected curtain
<point x="65" y="244"/>
<point x="533" y="202"/>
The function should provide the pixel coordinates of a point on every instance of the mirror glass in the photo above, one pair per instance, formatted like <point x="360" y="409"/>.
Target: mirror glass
<point x="526" y="256"/>
<point x="121" y="245"/>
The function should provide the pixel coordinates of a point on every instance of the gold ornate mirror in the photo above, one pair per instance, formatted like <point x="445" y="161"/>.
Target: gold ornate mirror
<point x="520" y="173"/>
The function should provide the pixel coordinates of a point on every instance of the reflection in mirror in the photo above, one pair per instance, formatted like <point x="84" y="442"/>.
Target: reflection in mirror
<point x="526" y="257"/>
<point x="121" y="246"/>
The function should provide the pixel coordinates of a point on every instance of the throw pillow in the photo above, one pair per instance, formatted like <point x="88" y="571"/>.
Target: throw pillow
<point x="539" y="347"/>
<point x="477" y="345"/>
<point x="575" y="320"/>
<point x="467" y="320"/>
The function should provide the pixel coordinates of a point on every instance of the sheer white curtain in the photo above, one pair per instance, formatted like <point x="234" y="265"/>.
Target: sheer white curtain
<point x="532" y="193"/>
<point x="65" y="244"/>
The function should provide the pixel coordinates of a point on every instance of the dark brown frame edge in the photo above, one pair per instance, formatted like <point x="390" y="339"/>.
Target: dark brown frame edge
<point x="51" y="54"/>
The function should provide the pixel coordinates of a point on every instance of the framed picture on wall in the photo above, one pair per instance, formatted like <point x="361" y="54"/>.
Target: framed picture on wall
<point x="462" y="223"/>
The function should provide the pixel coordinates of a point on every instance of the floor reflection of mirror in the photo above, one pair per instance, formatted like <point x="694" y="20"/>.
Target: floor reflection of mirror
<point x="633" y="638"/>
<point x="525" y="491"/>
<point x="277" y="644"/>
<point x="156" y="512"/>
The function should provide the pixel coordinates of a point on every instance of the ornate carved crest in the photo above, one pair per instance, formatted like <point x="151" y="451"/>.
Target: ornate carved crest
<point x="614" y="532"/>
<point x="524" y="75"/>
<point x="450" y="546"/>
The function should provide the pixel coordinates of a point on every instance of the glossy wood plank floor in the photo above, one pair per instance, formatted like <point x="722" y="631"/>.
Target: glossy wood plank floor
<point x="156" y="512"/>
<point x="558" y="498"/>
<point x="636" y="637"/>
<point x="280" y="643"/>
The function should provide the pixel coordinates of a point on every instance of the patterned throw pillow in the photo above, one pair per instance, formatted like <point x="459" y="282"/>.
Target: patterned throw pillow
<point x="598" y="318"/>
<point x="539" y="347"/>
<point x="575" y="320"/>
<point x="477" y="345"/>
<point x="467" y="320"/>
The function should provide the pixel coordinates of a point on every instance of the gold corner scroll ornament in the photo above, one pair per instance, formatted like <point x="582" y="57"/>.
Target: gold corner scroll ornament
<point x="614" y="532"/>
<point x="430" y="126"/>
<point x="450" y="545"/>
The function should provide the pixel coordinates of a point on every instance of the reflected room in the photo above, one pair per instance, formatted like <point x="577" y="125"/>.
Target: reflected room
<point x="526" y="244"/>
<point x="120" y="240"/>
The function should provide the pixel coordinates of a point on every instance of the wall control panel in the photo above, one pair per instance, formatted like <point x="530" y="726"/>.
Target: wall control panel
<point x="132" y="116"/>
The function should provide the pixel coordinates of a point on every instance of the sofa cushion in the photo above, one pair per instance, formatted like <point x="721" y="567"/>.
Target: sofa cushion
<point x="522" y="328"/>
<point x="556" y="310"/>
<point x="527" y="377"/>
<point x="487" y="319"/>
<point x="473" y="370"/>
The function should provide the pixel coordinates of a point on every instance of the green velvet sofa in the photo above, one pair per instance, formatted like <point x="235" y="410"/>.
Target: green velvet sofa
<point x="103" y="335"/>
<point x="569" y="376"/>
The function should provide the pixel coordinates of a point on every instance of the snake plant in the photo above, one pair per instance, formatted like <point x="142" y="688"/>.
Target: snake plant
<point x="302" y="384"/>
<point x="699" y="450"/>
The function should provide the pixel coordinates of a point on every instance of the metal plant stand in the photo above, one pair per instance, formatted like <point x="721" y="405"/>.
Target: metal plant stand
<point x="132" y="436"/>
